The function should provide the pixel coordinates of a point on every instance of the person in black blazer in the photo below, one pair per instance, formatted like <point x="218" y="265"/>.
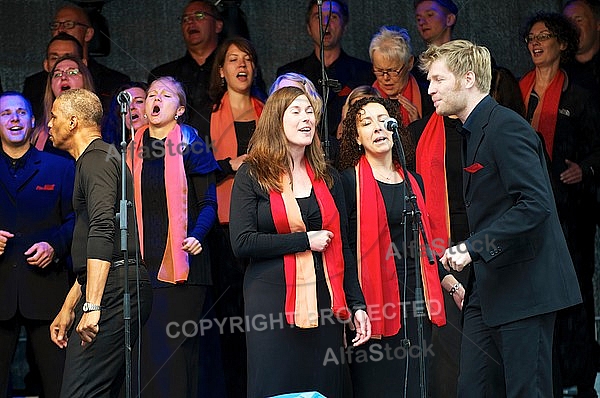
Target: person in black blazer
<point x="36" y="228"/>
<point x="522" y="271"/>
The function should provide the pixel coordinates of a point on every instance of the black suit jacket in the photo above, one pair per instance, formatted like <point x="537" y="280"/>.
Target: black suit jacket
<point x="521" y="261"/>
<point x="36" y="207"/>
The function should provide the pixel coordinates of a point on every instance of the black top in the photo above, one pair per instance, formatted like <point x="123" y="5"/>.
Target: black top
<point x="243" y="133"/>
<point x="201" y="204"/>
<point x="253" y="232"/>
<point x="96" y="197"/>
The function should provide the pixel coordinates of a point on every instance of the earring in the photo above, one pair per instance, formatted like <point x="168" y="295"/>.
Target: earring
<point x="176" y="117"/>
<point x="222" y="81"/>
<point x="145" y="116"/>
<point x="360" y="148"/>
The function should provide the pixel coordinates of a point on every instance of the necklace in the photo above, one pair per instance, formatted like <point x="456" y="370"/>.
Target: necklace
<point x="388" y="177"/>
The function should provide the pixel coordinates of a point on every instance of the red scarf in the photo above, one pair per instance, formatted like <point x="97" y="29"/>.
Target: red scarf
<point x="431" y="165"/>
<point x="411" y="92"/>
<point x="546" y="112"/>
<point x="301" y="293"/>
<point x="224" y="144"/>
<point x="377" y="270"/>
<point x="175" y="266"/>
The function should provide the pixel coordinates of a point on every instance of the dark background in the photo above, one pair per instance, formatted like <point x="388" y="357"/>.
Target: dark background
<point x="147" y="33"/>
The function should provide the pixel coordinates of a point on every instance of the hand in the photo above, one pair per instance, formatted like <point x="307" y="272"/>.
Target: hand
<point x="413" y="112"/>
<point x="319" y="240"/>
<point x="88" y="327"/>
<point x="573" y="174"/>
<point x="237" y="162"/>
<point x="192" y="246"/>
<point x="362" y="324"/>
<point x="44" y="254"/>
<point x="4" y="237"/>
<point x="60" y="326"/>
<point x="456" y="257"/>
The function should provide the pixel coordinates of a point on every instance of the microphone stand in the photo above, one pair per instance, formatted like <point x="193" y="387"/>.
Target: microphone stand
<point x="326" y="83"/>
<point x="418" y="231"/>
<point x="122" y="219"/>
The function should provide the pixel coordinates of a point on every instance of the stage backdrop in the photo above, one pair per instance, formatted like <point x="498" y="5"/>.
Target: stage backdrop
<point x="147" y="33"/>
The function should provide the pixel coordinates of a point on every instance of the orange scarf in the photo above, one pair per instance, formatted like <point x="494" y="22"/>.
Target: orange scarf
<point x="174" y="267"/>
<point x="411" y="92"/>
<point x="224" y="144"/>
<point x="431" y="165"/>
<point x="546" y="112"/>
<point x="301" y="290"/>
<point x="377" y="267"/>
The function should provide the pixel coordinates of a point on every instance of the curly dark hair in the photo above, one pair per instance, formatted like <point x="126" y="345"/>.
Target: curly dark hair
<point x="350" y="152"/>
<point x="560" y="26"/>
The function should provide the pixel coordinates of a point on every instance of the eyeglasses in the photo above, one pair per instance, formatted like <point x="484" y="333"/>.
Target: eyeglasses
<point x="197" y="16"/>
<point x="69" y="72"/>
<point x="66" y="25"/>
<point x="539" y="37"/>
<point x="392" y="73"/>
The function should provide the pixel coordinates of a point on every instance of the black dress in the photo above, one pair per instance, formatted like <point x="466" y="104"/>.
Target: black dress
<point x="282" y="358"/>
<point x="380" y="367"/>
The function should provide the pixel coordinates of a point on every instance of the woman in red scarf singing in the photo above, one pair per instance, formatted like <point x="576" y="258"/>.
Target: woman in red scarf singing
<point x="301" y="283"/>
<point x="175" y="201"/>
<point x="375" y="192"/>
<point x="391" y="55"/>
<point x="237" y="106"/>
<point x="567" y="117"/>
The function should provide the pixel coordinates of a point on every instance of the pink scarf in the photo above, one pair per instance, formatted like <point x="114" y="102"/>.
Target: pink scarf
<point x="175" y="266"/>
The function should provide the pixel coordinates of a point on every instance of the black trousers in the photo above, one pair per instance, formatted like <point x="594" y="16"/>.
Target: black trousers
<point x="170" y="353"/>
<point x="49" y="359"/>
<point x="98" y="369"/>
<point x="511" y="360"/>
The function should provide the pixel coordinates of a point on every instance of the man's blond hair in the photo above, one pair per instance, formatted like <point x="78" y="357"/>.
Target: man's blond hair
<point x="462" y="56"/>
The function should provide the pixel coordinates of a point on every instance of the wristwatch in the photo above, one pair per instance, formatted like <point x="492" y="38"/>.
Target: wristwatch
<point x="89" y="307"/>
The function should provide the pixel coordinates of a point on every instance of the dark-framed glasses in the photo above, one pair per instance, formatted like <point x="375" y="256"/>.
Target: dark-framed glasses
<point x="196" y="16"/>
<point x="393" y="73"/>
<point x="66" y="24"/>
<point x="67" y="72"/>
<point x="539" y="37"/>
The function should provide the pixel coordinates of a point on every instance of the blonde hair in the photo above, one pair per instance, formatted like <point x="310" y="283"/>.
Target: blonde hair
<point x="269" y="156"/>
<point x="462" y="56"/>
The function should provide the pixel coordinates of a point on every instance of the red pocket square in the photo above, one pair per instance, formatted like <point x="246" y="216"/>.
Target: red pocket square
<point x="474" y="168"/>
<point x="47" y="187"/>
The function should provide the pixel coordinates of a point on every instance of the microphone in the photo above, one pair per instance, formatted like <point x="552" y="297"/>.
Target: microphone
<point x="391" y="124"/>
<point x="124" y="97"/>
